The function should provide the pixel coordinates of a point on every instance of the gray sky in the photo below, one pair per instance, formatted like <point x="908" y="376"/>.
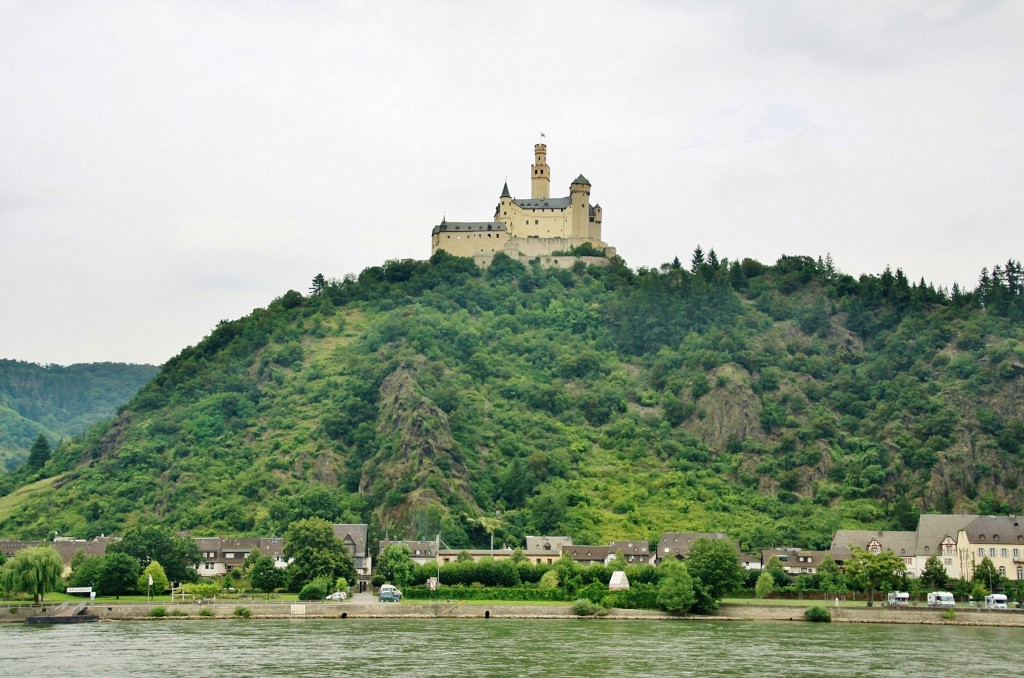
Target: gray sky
<point x="166" y="165"/>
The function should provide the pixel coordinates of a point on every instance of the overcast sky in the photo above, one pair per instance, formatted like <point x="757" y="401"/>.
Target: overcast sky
<point x="166" y="165"/>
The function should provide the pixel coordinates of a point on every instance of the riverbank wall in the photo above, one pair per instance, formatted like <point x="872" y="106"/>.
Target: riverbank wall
<point x="456" y="610"/>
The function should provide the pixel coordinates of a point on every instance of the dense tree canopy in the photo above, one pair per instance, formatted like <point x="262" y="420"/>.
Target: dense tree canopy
<point x="178" y="554"/>
<point x="775" y="402"/>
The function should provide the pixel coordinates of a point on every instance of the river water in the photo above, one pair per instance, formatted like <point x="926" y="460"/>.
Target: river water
<point x="478" y="647"/>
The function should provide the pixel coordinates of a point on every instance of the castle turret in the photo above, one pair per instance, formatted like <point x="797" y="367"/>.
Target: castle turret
<point x="540" y="183"/>
<point x="501" y="212"/>
<point x="579" y="195"/>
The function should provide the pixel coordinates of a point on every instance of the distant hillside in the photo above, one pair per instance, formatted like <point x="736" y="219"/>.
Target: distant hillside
<point x="778" y="403"/>
<point x="58" y="401"/>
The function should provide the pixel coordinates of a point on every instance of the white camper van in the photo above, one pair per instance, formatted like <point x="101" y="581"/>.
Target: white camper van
<point x="899" y="599"/>
<point x="995" y="601"/>
<point x="941" y="599"/>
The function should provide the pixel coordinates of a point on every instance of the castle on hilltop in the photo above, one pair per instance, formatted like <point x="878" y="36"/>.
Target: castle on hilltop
<point x="540" y="226"/>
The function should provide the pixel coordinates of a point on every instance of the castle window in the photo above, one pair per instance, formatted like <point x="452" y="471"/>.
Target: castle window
<point x="536" y="221"/>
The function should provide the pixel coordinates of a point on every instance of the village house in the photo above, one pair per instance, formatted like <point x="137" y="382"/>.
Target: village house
<point x="795" y="561"/>
<point x="587" y="555"/>
<point x="66" y="547"/>
<point x="937" y="536"/>
<point x="354" y="537"/>
<point x="998" y="538"/>
<point x="220" y="555"/>
<point x="899" y="542"/>
<point x="635" y="552"/>
<point x="677" y="544"/>
<point x="544" y="550"/>
<point x="421" y="552"/>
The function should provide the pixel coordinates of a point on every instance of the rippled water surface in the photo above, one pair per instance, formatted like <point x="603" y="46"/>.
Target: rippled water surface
<point x="477" y="647"/>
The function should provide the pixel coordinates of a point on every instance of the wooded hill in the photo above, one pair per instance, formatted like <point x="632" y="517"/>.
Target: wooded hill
<point x="776" y="403"/>
<point x="58" y="401"/>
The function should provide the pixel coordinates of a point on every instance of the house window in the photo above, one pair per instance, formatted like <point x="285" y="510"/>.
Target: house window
<point x="1016" y="553"/>
<point x="1003" y="552"/>
<point x="981" y="553"/>
<point x="1020" y="573"/>
<point x="1002" y="571"/>
<point x="991" y="553"/>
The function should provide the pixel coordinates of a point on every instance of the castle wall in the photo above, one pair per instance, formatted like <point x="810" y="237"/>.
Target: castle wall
<point x="540" y="223"/>
<point x="468" y="244"/>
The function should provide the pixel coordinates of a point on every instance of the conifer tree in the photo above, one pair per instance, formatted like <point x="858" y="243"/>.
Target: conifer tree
<point x="39" y="453"/>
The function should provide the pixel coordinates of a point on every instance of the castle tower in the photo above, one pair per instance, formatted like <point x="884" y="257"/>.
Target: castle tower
<point x="501" y="212"/>
<point x="540" y="183"/>
<point x="579" y="194"/>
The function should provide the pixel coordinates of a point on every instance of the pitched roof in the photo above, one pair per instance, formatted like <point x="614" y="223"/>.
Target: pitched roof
<point x="545" y="544"/>
<point x="995" y="530"/>
<point x="543" y="203"/>
<point x="932" y="528"/>
<point x="677" y="544"/>
<point x="504" y="191"/>
<point x="467" y="226"/>
<point x="900" y="542"/>
<point x="636" y="547"/>
<point x="354" y="534"/>
<point x="584" y="553"/>
<point x="581" y="180"/>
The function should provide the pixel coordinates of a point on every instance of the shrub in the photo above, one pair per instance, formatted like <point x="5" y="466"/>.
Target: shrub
<point x="586" y="608"/>
<point x="949" y="614"/>
<point x="206" y="612"/>
<point x="314" y="590"/>
<point x="817" y="614"/>
<point x="158" y="612"/>
<point x="243" y="612"/>
<point x="179" y="613"/>
<point x="483" y="593"/>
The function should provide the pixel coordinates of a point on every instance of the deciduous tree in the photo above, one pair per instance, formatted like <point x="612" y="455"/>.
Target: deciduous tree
<point x="934" y="576"/>
<point x="764" y="586"/>
<point x="871" y="571"/>
<point x="36" y="570"/>
<point x="316" y="552"/>
<point x="118" y="574"/>
<point x="264" y="575"/>
<point x="395" y="563"/>
<point x="715" y="563"/>
<point x="160" y="582"/>
<point x="675" y="591"/>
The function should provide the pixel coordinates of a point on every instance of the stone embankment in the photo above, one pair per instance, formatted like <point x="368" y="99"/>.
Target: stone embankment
<point x="454" y="609"/>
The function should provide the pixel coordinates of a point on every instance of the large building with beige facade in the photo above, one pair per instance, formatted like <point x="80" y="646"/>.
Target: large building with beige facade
<point x="538" y="226"/>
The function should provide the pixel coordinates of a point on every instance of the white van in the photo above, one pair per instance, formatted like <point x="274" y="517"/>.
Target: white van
<point x="941" y="599"/>
<point x="995" y="601"/>
<point x="899" y="599"/>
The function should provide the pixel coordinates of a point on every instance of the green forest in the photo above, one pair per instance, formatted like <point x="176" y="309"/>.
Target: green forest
<point x="59" y="402"/>
<point x="776" y="403"/>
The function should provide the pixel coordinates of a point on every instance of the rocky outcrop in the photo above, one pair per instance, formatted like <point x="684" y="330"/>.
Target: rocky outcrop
<point x="418" y="461"/>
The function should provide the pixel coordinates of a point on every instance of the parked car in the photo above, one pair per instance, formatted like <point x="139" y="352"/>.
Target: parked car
<point x="389" y="594"/>
<point x="337" y="595"/>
